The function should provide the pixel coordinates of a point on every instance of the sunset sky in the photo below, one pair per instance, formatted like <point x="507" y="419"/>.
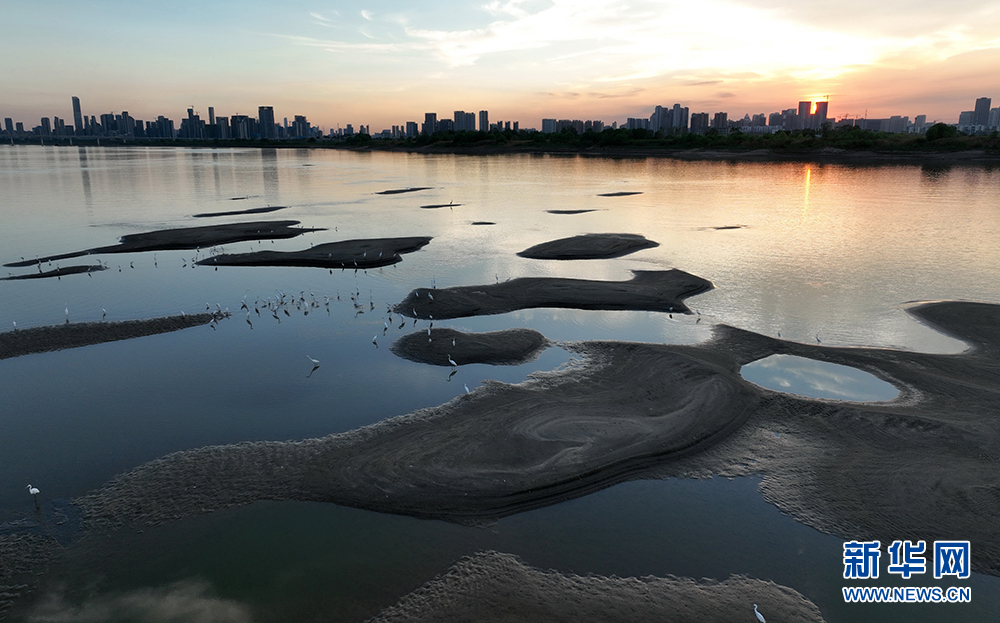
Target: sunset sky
<point x="386" y="62"/>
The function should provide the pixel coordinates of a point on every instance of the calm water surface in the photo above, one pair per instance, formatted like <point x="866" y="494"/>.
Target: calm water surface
<point x="829" y="251"/>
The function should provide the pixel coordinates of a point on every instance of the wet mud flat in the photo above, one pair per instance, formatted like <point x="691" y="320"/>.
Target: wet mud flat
<point x="621" y="193"/>
<point x="589" y="247"/>
<point x="492" y="586"/>
<point x="346" y="254"/>
<point x="187" y="238"/>
<point x="502" y="348"/>
<point x="399" y="191"/>
<point x="916" y="467"/>
<point x="58" y="272"/>
<point x="570" y="211"/>
<point x="263" y="210"/>
<point x="22" y="342"/>
<point x="662" y="290"/>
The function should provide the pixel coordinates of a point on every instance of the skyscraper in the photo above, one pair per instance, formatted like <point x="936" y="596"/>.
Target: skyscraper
<point x="77" y="116"/>
<point x="804" y="115"/>
<point x="819" y="118"/>
<point x="484" y="121"/>
<point x="430" y="123"/>
<point x="981" y="115"/>
<point x="265" y="117"/>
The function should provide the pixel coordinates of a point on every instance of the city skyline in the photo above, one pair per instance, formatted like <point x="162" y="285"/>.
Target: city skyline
<point x="524" y="59"/>
<point x="808" y="115"/>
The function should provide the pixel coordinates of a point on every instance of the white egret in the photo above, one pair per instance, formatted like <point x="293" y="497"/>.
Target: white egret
<point x="315" y="362"/>
<point x="375" y="340"/>
<point x="34" y="493"/>
<point x="452" y="362"/>
<point x="466" y="388"/>
<point x="760" y="617"/>
<point x="430" y="296"/>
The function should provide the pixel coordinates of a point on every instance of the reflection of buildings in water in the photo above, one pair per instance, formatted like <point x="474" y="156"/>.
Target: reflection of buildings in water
<point x="215" y="166"/>
<point x="85" y="177"/>
<point x="269" y="170"/>
<point x="197" y="171"/>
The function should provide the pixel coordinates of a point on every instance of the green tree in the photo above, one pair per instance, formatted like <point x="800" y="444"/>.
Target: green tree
<point x="941" y="130"/>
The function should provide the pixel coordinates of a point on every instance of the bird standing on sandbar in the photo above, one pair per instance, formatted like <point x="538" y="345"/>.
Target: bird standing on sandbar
<point x="760" y="617"/>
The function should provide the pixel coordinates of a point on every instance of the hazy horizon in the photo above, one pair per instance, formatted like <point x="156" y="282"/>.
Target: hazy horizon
<point x="383" y="63"/>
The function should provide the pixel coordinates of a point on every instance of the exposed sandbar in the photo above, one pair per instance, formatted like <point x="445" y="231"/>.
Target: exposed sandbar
<point x="73" y="335"/>
<point x="483" y="223"/>
<point x="492" y="587"/>
<point x="188" y="238"/>
<point x="434" y="206"/>
<point x="621" y="193"/>
<point x="589" y="247"/>
<point x="264" y="210"/>
<point x="569" y="211"/>
<point x="366" y="253"/>
<point x="399" y="191"/>
<point x="648" y="290"/>
<point x="500" y="348"/>
<point x="921" y="466"/>
<point x="499" y="450"/>
<point x="58" y="272"/>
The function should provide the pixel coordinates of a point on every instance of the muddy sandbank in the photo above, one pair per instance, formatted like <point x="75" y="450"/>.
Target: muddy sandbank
<point x="187" y="238"/>
<point x="62" y="271"/>
<point x="483" y="223"/>
<point x="648" y="290"/>
<point x="264" y="210"/>
<point x="435" y="206"/>
<point x="589" y="247"/>
<point x="621" y="193"/>
<point x="494" y="587"/>
<point x="346" y="254"/>
<point x="73" y="335"/>
<point x="921" y="466"/>
<point x="500" y="348"/>
<point x="569" y="211"/>
<point x="399" y="191"/>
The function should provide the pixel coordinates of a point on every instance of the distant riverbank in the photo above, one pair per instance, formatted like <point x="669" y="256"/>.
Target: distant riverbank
<point x="864" y="151"/>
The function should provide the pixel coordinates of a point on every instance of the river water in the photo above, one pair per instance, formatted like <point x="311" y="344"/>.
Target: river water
<point x="826" y="252"/>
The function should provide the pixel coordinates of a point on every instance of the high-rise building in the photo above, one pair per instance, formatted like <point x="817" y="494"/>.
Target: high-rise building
<point x="8" y="125"/>
<point x="77" y="116"/>
<point x="265" y="117"/>
<point x="699" y="122"/>
<point x="46" y="126"/>
<point x="981" y="115"/>
<point x="211" y="115"/>
<point x="819" y="117"/>
<point x="411" y="129"/>
<point x="430" y="123"/>
<point x="804" y="115"/>
<point x="720" y="121"/>
<point x="484" y="121"/>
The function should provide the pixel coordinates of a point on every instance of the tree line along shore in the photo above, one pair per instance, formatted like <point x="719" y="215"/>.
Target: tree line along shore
<point x="940" y="143"/>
